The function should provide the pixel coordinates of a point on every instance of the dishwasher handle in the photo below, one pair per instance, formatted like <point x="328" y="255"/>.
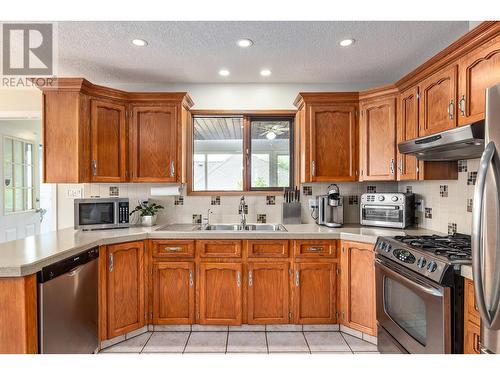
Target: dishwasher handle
<point x="68" y="265"/>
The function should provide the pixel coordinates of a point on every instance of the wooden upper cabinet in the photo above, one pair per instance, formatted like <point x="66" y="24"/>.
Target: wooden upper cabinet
<point x="328" y="125"/>
<point x="438" y="103"/>
<point x="154" y="144"/>
<point x="173" y="293"/>
<point x="125" y="288"/>
<point x="315" y="293"/>
<point x="476" y="72"/>
<point x="358" y="287"/>
<point x="268" y="286"/>
<point x="378" y="139"/>
<point x="220" y="297"/>
<point x="407" y="129"/>
<point x="108" y="141"/>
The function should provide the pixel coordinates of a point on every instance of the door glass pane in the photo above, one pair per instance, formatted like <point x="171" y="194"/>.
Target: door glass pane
<point x="9" y="200"/>
<point x="7" y="171"/>
<point x="29" y="199"/>
<point x="19" y="200"/>
<point x="270" y="148"/>
<point x="406" y="308"/>
<point x="18" y="175"/>
<point x="18" y="151"/>
<point x="28" y="178"/>
<point x="29" y="153"/>
<point x="217" y="153"/>
<point x="7" y="149"/>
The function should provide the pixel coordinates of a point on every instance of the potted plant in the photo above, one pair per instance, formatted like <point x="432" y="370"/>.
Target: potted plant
<point x="148" y="212"/>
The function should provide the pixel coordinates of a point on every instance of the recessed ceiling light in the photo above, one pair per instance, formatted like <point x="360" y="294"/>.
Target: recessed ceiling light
<point x="139" y="42"/>
<point x="244" y="43"/>
<point x="265" y="72"/>
<point x="224" y="72"/>
<point x="346" y="42"/>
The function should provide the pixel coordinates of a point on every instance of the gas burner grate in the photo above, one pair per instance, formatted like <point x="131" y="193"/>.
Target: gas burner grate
<point x="456" y="247"/>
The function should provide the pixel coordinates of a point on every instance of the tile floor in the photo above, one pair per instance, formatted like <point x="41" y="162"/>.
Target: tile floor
<point x="252" y="339"/>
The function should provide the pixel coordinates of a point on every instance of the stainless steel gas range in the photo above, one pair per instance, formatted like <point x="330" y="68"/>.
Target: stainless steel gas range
<point x="419" y="293"/>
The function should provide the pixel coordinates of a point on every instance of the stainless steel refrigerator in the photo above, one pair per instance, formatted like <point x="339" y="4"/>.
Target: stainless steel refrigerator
<point x="486" y="228"/>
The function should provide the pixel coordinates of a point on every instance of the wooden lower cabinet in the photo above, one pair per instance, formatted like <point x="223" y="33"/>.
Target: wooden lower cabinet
<point x="358" y="287"/>
<point x="472" y="320"/>
<point x="173" y="293"/>
<point x="471" y="338"/>
<point x="125" y="288"/>
<point x="220" y="296"/>
<point x="314" y="293"/>
<point x="268" y="286"/>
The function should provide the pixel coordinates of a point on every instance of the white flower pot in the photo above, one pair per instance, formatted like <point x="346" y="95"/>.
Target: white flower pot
<point x="148" y="221"/>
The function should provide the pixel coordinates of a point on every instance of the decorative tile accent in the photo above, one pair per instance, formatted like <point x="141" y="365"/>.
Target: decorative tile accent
<point x="196" y="218"/>
<point x="428" y="213"/>
<point x="215" y="201"/>
<point x="409" y="189"/>
<point x="246" y="210"/>
<point x="452" y="228"/>
<point x="371" y="189"/>
<point x="469" y="204"/>
<point x="443" y="191"/>
<point x="261" y="218"/>
<point x="270" y="200"/>
<point x="179" y="200"/>
<point x="307" y="190"/>
<point x="114" y="191"/>
<point x="353" y="199"/>
<point x="462" y="165"/>
<point x="471" y="178"/>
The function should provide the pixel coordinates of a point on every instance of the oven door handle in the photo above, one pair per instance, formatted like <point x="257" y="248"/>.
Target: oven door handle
<point x="418" y="284"/>
<point x="382" y="207"/>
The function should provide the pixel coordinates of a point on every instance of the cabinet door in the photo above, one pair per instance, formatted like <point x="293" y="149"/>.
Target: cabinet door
<point x="314" y="293"/>
<point x="407" y="129"/>
<point x="173" y="293"/>
<point x="358" y="287"/>
<point x="334" y="140"/>
<point x="125" y="288"/>
<point x="476" y="72"/>
<point x="154" y="144"/>
<point x="437" y="104"/>
<point x="268" y="293"/>
<point x="220" y="293"/>
<point x="108" y="142"/>
<point x="378" y="119"/>
<point x="472" y="338"/>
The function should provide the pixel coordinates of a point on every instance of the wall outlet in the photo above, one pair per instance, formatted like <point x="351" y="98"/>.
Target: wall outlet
<point x="420" y="205"/>
<point x="313" y="203"/>
<point x="74" y="193"/>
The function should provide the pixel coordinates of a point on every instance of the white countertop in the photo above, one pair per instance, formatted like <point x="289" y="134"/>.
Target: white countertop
<point x="466" y="271"/>
<point x="31" y="254"/>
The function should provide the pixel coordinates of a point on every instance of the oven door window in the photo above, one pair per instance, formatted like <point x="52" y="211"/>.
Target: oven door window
<point x="406" y="309"/>
<point x="383" y="214"/>
<point x="96" y="213"/>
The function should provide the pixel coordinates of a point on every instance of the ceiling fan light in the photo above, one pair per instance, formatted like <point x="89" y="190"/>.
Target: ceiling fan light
<point x="271" y="135"/>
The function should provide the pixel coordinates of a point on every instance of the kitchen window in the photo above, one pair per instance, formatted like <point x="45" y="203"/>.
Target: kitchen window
<point x="18" y="156"/>
<point x="242" y="153"/>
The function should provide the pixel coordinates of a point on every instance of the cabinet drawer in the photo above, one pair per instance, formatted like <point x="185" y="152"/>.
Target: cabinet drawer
<point x="472" y="313"/>
<point x="315" y="248"/>
<point x="219" y="248"/>
<point x="173" y="248"/>
<point x="266" y="248"/>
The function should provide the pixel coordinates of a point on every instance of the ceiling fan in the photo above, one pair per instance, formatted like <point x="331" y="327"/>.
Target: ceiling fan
<point x="272" y="130"/>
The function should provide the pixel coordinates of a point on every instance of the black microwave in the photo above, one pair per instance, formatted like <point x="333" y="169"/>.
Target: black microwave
<point x="101" y="213"/>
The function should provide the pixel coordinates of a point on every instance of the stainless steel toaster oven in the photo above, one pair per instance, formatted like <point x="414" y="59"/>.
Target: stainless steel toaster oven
<point x="393" y="210"/>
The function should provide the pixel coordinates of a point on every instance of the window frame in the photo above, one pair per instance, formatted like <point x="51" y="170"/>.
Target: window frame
<point x="246" y="115"/>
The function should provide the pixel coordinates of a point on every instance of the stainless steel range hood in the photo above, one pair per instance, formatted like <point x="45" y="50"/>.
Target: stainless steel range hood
<point x="465" y="142"/>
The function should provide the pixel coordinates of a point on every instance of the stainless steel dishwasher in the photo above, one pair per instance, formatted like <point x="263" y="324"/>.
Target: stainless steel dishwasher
<point x="67" y="305"/>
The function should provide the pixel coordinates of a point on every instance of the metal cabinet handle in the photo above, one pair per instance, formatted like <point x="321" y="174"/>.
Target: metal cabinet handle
<point x="94" y="167"/>
<point x="190" y="278"/>
<point x="250" y="279"/>
<point x="315" y="248"/>
<point x="238" y="279"/>
<point x="400" y="164"/>
<point x="451" y="109"/>
<point x="391" y="166"/>
<point x="168" y="248"/>
<point x="461" y="105"/>
<point x="297" y="278"/>
<point x="110" y="262"/>
<point x="313" y="168"/>
<point x="172" y="169"/>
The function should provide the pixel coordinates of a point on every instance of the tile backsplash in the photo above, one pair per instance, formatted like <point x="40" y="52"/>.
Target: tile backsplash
<point x="447" y="205"/>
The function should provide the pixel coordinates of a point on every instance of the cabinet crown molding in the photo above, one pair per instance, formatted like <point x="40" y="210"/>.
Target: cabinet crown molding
<point x="326" y="97"/>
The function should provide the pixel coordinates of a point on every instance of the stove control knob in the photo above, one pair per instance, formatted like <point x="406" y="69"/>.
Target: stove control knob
<point x="388" y="248"/>
<point x="394" y="198"/>
<point x="421" y="262"/>
<point x="432" y="266"/>
<point x="381" y="198"/>
<point x="381" y="245"/>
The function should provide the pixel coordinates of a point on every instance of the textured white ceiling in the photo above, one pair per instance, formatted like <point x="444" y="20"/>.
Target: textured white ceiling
<point x="296" y="52"/>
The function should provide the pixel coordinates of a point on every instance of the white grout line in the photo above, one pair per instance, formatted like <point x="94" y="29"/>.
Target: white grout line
<point x="149" y="338"/>
<point x="308" y="347"/>
<point x="186" y="344"/>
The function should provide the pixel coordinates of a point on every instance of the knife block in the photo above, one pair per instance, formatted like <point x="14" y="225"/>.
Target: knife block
<point x="291" y="213"/>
